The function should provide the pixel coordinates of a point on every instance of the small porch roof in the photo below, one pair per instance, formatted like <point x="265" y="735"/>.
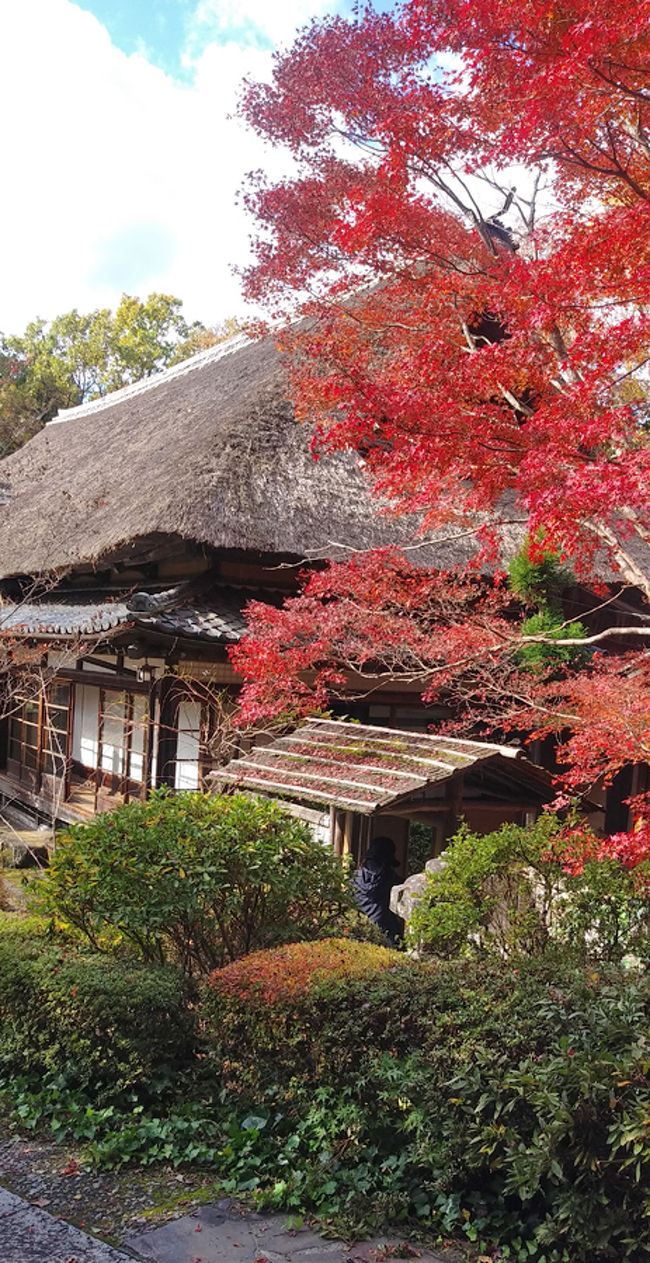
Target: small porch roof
<point x="364" y="769"/>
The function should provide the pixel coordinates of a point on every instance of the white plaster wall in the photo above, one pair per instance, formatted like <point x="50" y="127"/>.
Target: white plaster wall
<point x="86" y="718"/>
<point x="188" y="745"/>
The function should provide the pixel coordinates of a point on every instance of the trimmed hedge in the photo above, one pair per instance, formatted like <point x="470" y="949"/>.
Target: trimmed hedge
<point x="275" y="1014"/>
<point x="99" y="1022"/>
<point x="295" y="1011"/>
<point x="509" y="1103"/>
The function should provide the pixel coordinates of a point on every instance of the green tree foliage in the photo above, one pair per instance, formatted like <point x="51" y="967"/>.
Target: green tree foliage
<point x="81" y="356"/>
<point x="538" y="577"/>
<point x="195" y="879"/>
<point x="30" y="394"/>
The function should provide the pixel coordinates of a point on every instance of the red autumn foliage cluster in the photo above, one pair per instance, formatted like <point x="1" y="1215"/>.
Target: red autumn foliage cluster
<point x="578" y="846"/>
<point x="605" y="711"/>
<point x="467" y="230"/>
<point x="283" y="974"/>
<point x="484" y="357"/>
<point x="378" y="615"/>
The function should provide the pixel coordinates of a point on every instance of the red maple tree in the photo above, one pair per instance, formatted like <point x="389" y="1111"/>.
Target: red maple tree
<point x="467" y="232"/>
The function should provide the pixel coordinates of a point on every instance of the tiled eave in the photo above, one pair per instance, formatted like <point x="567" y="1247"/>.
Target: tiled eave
<point x="216" y="618"/>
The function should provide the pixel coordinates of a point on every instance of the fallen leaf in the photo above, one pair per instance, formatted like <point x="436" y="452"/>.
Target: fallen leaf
<point x="41" y="1201"/>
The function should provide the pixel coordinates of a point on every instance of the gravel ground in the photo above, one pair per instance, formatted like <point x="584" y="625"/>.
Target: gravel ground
<point x="111" y="1205"/>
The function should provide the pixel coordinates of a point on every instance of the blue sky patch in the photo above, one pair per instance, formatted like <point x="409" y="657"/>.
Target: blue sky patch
<point x="137" y="254"/>
<point x="155" y="28"/>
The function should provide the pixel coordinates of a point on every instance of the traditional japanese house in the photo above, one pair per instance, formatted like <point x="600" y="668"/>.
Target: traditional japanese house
<point x="133" y="531"/>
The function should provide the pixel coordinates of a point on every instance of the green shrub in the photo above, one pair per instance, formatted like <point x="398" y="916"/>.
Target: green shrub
<point x="606" y="910"/>
<point x="496" y="893"/>
<point x="196" y="879"/>
<point x="89" y="1019"/>
<point x="504" y="1102"/>
<point x="509" y="892"/>
<point x="546" y="1149"/>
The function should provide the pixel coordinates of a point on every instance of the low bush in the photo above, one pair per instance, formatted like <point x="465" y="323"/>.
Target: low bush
<point x="199" y="880"/>
<point x="543" y="1146"/>
<point x="320" y="1012"/>
<point x="92" y="1022"/>
<point x="506" y="1103"/>
<point x="273" y="1015"/>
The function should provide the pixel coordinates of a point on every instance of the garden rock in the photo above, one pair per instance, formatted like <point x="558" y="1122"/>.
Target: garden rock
<point x="404" y="898"/>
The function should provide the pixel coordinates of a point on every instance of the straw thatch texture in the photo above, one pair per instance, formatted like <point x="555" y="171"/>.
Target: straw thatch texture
<point x="209" y="452"/>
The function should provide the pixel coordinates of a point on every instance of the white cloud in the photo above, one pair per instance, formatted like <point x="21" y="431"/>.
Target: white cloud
<point x="254" y="20"/>
<point x="118" y="176"/>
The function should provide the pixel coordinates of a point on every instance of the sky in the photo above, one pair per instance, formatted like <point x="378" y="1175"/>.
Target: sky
<point x="122" y="160"/>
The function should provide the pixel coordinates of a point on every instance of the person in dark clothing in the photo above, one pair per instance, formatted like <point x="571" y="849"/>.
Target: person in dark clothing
<point x="372" y="884"/>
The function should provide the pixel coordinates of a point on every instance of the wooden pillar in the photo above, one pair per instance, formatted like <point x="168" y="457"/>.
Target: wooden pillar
<point x="167" y="734"/>
<point x="454" y="797"/>
<point x="364" y="836"/>
<point x="336" y="831"/>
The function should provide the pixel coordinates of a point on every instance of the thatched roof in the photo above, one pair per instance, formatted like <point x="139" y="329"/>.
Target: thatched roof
<point x="209" y="452"/>
<point x="363" y="768"/>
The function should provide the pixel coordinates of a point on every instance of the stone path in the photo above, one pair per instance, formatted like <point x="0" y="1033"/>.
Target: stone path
<point x="29" y="1235"/>
<point x="220" y="1233"/>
